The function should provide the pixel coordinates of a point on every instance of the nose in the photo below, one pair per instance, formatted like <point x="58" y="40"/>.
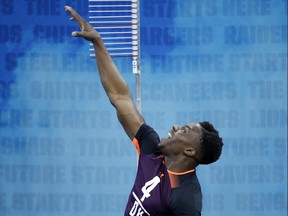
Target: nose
<point x="175" y="127"/>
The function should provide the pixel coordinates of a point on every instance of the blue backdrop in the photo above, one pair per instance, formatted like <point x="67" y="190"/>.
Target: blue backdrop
<point x="62" y="151"/>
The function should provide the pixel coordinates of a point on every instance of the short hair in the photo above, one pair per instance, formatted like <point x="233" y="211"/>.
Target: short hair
<point x="210" y="144"/>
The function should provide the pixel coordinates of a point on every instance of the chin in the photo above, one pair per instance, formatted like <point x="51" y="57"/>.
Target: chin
<point x="161" y="145"/>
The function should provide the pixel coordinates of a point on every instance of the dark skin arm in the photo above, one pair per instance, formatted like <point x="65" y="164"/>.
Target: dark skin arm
<point x="115" y="86"/>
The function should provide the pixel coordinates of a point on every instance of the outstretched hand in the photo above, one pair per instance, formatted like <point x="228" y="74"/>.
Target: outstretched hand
<point x="87" y="31"/>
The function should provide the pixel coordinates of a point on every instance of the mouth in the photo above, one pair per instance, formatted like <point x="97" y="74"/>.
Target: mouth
<point x="165" y="139"/>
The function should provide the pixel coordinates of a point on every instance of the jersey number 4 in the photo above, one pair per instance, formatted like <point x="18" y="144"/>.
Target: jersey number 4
<point x="149" y="186"/>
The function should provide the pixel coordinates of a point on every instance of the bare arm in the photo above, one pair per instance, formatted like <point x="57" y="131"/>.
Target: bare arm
<point x="115" y="86"/>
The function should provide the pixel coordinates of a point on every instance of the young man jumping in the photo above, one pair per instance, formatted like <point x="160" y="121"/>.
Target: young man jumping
<point x="166" y="183"/>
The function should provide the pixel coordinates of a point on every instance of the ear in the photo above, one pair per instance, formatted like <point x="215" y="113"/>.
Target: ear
<point x="190" y="152"/>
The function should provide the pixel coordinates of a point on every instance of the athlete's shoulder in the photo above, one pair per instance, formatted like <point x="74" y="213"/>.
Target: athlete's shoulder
<point x="147" y="139"/>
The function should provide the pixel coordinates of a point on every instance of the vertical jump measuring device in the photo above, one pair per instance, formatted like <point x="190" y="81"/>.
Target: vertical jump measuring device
<point x="118" y="23"/>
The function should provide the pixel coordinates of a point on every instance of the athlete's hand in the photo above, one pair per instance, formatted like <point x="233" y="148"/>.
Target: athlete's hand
<point x="87" y="31"/>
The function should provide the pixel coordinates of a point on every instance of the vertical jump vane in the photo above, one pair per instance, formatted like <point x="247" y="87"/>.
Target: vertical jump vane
<point x="118" y="23"/>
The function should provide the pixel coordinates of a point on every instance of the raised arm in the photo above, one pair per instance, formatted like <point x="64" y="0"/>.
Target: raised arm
<point x="115" y="86"/>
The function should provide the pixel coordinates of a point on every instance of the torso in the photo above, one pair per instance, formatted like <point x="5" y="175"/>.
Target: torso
<point x="156" y="191"/>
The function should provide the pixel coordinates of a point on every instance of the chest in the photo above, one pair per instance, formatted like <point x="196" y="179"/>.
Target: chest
<point x="151" y="191"/>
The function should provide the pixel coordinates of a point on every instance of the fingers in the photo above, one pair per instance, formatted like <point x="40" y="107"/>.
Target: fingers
<point x="69" y="9"/>
<point x="75" y="16"/>
<point x="87" y="30"/>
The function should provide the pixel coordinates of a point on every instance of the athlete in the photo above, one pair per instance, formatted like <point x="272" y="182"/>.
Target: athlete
<point x="166" y="181"/>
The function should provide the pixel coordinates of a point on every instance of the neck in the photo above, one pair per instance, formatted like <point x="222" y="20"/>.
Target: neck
<point x="180" y="164"/>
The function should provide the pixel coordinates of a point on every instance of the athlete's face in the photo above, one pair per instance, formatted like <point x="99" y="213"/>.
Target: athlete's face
<point x="181" y="138"/>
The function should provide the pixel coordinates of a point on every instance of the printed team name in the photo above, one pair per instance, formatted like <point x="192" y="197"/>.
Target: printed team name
<point x="138" y="209"/>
